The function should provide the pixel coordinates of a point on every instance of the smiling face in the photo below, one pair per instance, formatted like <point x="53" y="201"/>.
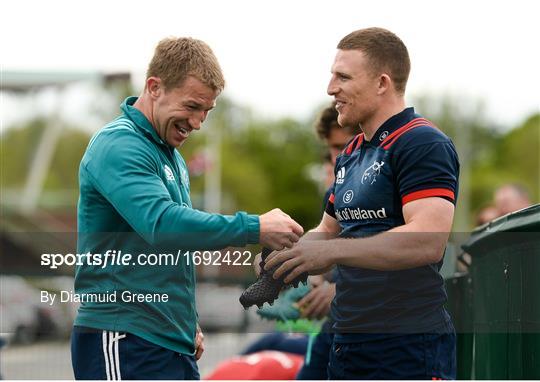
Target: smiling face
<point x="178" y="111"/>
<point x="354" y="88"/>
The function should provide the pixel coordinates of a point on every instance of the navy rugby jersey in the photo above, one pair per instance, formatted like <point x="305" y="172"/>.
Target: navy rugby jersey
<point x="407" y="159"/>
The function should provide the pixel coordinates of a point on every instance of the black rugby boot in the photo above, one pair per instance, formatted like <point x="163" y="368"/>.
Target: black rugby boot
<point x="266" y="288"/>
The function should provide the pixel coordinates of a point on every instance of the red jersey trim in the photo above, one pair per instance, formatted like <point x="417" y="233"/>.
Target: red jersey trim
<point x="419" y="122"/>
<point x="431" y="192"/>
<point x="404" y="127"/>
<point x="356" y="142"/>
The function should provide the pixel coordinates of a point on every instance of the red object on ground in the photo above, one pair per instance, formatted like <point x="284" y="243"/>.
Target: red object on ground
<point x="262" y="365"/>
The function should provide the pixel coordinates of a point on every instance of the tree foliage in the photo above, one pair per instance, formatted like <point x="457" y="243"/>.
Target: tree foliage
<point x="265" y="163"/>
<point x="490" y="155"/>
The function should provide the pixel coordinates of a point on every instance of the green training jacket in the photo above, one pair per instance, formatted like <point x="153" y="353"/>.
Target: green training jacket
<point x="134" y="199"/>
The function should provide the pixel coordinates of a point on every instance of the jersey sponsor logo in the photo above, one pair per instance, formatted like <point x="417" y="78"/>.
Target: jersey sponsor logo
<point x="348" y="196"/>
<point x="168" y="172"/>
<point x="371" y="173"/>
<point x="360" y="214"/>
<point x="383" y="135"/>
<point x="340" y="177"/>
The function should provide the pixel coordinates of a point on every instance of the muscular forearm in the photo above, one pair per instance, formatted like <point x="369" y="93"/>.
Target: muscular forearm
<point x="420" y="241"/>
<point x="392" y="250"/>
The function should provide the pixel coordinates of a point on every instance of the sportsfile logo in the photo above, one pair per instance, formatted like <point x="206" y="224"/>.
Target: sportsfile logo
<point x="340" y="176"/>
<point x="359" y="214"/>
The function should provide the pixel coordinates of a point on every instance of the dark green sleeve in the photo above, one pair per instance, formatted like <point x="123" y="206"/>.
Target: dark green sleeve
<point x="124" y="170"/>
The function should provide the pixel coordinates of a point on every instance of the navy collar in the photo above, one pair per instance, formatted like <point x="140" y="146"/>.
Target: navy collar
<point x="392" y="124"/>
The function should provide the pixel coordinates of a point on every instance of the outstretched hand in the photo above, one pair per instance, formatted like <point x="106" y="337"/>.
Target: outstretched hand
<point x="278" y="230"/>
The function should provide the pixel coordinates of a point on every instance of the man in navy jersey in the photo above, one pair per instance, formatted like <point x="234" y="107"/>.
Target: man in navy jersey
<point x="316" y="303"/>
<point x="386" y="223"/>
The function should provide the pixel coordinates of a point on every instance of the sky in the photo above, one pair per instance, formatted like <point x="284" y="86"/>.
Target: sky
<point x="276" y="55"/>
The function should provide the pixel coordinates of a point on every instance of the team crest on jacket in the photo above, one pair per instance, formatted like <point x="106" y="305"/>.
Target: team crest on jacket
<point x="168" y="172"/>
<point x="371" y="173"/>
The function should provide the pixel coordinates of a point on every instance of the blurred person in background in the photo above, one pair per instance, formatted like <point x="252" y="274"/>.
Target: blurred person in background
<point x="510" y="198"/>
<point x="335" y="138"/>
<point x="506" y="199"/>
<point x="133" y="180"/>
<point x="328" y="171"/>
<point x="332" y="134"/>
<point x="487" y="214"/>
<point x="386" y="224"/>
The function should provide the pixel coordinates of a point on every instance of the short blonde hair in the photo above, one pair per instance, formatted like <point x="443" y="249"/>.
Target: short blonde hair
<point x="176" y="58"/>
<point x="384" y="51"/>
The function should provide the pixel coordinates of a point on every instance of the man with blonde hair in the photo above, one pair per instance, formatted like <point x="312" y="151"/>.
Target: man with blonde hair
<point x="138" y="319"/>
<point x="386" y="223"/>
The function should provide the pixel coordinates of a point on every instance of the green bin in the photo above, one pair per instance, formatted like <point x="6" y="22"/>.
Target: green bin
<point x="505" y="273"/>
<point x="459" y="306"/>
